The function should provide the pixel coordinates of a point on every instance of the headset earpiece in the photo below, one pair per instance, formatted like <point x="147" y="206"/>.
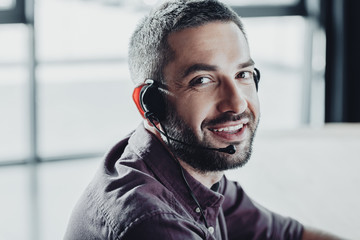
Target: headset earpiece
<point x="149" y="100"/>
<point x="256" y="78"/>
<point x="136" y="98"/>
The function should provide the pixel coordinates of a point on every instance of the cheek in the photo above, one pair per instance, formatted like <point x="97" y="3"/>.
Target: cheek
<point x="194" y="110"/>
<point x="254" y="105"/>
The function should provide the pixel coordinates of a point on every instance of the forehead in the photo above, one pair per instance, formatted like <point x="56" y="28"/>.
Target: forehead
<point x="216" y="43"/>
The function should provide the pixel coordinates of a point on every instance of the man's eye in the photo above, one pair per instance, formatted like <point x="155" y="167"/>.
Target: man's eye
<point x="245" y="75"/>
<point x="200" y="81"/>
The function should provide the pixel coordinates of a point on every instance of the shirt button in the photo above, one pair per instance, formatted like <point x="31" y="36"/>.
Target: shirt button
<point x="211" y="230"/>
<point x="197" y="210"/>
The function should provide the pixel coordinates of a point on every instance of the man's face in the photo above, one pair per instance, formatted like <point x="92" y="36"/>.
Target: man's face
<point x="214" y="102"/>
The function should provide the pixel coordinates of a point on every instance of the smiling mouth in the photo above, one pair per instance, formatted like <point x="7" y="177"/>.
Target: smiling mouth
<point x="229" y="130"/>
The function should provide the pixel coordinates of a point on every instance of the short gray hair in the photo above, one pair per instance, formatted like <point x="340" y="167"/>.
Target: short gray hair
<point x="149" y="50"/>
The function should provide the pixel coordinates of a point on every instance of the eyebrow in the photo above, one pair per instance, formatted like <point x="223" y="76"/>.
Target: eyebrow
<point x="249" y="63"/>
<point x="198" y="67"/>
<point x="206" y="67"/>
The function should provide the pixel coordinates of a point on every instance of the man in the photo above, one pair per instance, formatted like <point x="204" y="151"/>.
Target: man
<point x="197" y="90"/>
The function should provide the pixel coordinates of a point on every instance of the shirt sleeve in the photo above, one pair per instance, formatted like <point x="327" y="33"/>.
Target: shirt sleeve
<point x="245" y="219"/>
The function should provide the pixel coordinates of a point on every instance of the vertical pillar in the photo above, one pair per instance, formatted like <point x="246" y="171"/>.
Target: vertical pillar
<point x="342" y="100"/>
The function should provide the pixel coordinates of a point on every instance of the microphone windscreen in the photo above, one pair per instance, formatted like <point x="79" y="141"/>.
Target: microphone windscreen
<point x="231" y="149"/>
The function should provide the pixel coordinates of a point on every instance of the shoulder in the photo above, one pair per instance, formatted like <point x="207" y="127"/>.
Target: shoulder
<point x="124" y="209"/>
<point x="125" y="203"/>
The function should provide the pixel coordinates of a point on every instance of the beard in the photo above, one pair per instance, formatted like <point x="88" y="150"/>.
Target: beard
<point x="203" y="160"/>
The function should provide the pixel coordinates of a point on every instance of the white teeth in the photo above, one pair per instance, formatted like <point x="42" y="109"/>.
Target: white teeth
<point x="229" y="129"/>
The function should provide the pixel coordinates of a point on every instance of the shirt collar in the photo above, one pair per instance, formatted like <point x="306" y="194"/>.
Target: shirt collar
<point x="167" y="171"/>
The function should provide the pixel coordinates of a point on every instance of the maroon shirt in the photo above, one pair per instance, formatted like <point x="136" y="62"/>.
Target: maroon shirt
<point x="138" y="193"/>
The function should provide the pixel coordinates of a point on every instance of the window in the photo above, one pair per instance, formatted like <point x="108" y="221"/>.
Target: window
<point x="277" y="45"/>
<point x="13" y="93"/>
<point x="84" y="95"/>
<point x="83" y="86"/>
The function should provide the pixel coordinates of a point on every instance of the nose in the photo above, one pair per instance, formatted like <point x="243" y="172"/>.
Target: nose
<point x="231" y="97"/>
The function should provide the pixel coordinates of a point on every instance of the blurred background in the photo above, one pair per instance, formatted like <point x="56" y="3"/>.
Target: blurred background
<point x="65" y="99"/>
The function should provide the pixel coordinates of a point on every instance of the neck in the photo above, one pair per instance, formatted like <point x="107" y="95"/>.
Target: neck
<point x="207" y="179"/>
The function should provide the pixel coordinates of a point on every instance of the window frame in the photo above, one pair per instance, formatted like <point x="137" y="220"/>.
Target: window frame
<point x="15" y="14"/>
<point x="298" y="9"/>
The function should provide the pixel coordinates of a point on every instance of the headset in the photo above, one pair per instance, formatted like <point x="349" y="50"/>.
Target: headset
<point x="150" y="100"/>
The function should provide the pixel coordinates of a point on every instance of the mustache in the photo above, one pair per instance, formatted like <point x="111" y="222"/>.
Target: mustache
<point x="228" y="117"/>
